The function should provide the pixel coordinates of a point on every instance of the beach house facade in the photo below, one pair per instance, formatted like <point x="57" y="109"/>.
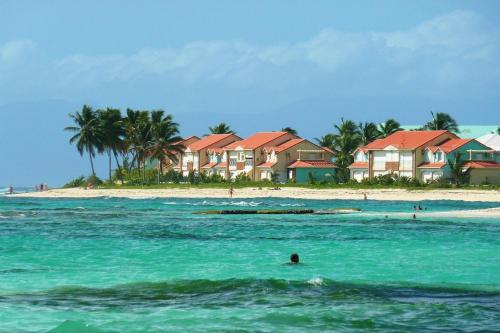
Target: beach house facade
<point x="427" y="156"/>
<point x="169" y="164"/>
<point x="297" y="159"/>
<point x="245" y="155"/>
<point x="197" y="156"/>
<point x="399" y="153"/>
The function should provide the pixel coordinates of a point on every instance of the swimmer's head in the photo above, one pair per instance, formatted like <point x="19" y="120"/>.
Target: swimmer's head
<point x="294" y="258"/>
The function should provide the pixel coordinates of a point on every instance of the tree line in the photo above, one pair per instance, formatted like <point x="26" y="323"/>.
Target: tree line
<point x="142" y="135"/>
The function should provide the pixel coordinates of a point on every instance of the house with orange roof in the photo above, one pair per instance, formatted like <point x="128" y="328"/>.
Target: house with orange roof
<point x="245" y="155"/>
<point x="483" y="167"/>
<point x="399" y="153"/>
<point x="294" y="160"/>
<point x="197" y="156"/>
<point x="424" y="155"/>
<point x="176" y="165"/>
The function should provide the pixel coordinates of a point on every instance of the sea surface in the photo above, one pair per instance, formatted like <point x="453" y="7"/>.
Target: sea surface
<point x="151" y="265"/>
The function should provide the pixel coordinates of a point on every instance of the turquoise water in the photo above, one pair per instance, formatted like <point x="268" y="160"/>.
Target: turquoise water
<point x="150" y="265"/>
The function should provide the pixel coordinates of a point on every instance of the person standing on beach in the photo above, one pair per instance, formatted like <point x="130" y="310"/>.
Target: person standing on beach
<point x="231" y="190"/>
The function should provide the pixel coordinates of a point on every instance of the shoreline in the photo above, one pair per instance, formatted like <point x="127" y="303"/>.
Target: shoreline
<point x="285" y="192"/>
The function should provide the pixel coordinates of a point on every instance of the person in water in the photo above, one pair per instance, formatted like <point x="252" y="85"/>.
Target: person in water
<point x="11" y="190"/>
<point x="294" y="259"/>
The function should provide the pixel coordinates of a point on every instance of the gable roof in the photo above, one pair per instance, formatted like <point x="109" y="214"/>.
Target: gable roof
<point x="193" y="138"/>
<point x="481" y="165"/>
<point x="491" y="140"/>
<point x="208" y="141"/>
<point x="452" y="145"/>
<point x="257" y="140"/>
<point x="284" y="146"/>
<point x="311" y="164"/>
<point x="406" y="139"/>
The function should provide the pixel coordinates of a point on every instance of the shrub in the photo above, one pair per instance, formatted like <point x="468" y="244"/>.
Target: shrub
<point x="215" y="178"/>
<point x="312" y="180"/>
<point x="77" y="182"/>
<point x="94" y="181"/>
<point x="242" y="177"/>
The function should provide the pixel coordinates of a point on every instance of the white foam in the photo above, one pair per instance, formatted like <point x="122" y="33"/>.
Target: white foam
<point x="316" y="281"/>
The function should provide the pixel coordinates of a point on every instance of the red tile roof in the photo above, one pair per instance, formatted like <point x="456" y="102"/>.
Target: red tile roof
<point x="481" y="164"/>
<point x="284" y="146"/>
<point x="209" y="165"/>
<point x="266" y="165"/>
<point x="208" y="141"/>
<point x="311" y="164"/>
<point x="257" y="140"/>
<point x="221" y="165"/>
<point x="358" y="165"/>
<point x="328" y="150"/>
<point x="453" y="144"/>
<point x="187" y="139"/>
<point x="405" y="139"/>
<point x="434" y="165"/>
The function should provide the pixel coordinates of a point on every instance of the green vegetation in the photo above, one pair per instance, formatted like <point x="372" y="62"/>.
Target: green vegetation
<point x="442" y="121"/>
<point x="290" y="130"/>
<point x="222" y="128"/>
<point x="141" y="136"/>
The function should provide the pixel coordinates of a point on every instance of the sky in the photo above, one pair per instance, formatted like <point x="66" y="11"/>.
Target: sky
<point x="257" y="65"/>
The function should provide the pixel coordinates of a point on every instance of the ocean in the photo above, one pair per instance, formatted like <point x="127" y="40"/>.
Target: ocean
<point x="151" y="265"/>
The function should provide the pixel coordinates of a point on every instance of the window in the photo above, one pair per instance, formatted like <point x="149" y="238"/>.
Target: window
<point x="241" y="156"/>
<point x="249" y="162"/>
<point x="232" y="162"/>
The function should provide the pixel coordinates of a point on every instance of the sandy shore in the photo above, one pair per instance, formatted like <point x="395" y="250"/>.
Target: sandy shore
<point x="286" y="192"/>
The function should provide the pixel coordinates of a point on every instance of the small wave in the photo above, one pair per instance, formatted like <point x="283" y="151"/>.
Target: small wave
<point x="170" y="203"/>
<point x="292" y="205"/>
<point x="316" y="281"/>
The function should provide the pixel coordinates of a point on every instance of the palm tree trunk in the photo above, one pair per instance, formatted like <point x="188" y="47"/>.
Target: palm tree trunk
<point x="109" y="165"/>
<point x="159" y="170"/>
<point x="118" y="166"/>
<point x="91" y="163"/>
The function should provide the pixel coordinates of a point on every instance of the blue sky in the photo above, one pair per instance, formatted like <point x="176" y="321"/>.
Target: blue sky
<point x="259" y="65"/>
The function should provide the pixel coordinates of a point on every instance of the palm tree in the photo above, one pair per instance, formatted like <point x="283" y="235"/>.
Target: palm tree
<point x="346" y="141"/>
<point x="442" y="121"/>
<point x="326" y="140"/>
<point x="368" y="132"/>
<point x="163" y="140"/>
<point x="458" y="174"/>
<point x="389" y="127"/>
<point x="113" y="135"/>
<point x="136" y="134"/>
<point x="289" y="130"/>
<point x="221" y="128"/>
<point x="88" y="133"/>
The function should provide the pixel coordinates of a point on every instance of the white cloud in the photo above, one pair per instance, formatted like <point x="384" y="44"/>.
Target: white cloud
<point x="14" y="51"/>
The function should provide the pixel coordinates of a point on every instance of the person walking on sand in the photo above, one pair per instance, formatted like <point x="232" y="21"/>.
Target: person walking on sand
<point x="231" y="191"/>
<point x="365" y="197"/>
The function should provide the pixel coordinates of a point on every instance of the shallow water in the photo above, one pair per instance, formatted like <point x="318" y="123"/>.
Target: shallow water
<point x="151" y="265"/>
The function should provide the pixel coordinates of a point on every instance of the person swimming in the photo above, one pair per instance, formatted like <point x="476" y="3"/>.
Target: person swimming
<point x="294" y="259"/>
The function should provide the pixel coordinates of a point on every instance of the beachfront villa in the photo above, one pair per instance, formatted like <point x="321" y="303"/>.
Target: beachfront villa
<point x="177" y="165"/>
<point x="279" y="156"/>
<point x="198" y="155"/>
<point x="284" y="155"/>
<point x="425" y="155"/>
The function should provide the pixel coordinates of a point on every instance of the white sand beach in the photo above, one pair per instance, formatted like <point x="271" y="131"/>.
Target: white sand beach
<point x="285" y="192"/>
